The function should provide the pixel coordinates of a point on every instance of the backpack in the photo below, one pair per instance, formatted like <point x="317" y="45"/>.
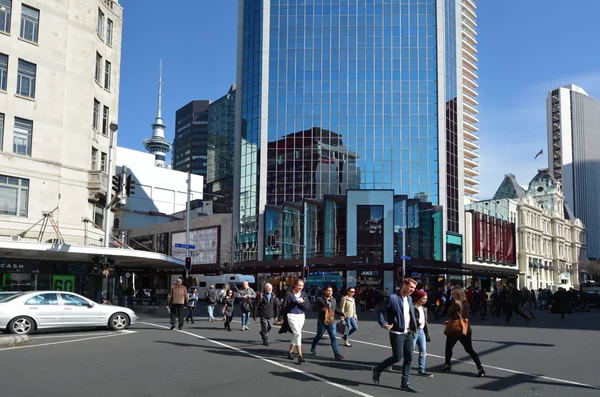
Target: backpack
<point x="211" y="299"/>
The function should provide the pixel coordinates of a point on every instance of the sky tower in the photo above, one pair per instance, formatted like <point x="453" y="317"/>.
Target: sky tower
<point x="157" y="144"/>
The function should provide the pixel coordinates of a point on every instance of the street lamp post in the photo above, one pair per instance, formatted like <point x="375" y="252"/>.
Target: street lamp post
<point x="113" y="131"/>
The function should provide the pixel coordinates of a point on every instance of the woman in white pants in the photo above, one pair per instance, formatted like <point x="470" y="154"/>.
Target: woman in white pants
<point x="295" y="304"/>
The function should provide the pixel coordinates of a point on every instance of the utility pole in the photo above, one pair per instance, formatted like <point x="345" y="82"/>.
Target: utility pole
<point x="113" y="131"/>
<point x="187" y="220"/>
<point x="305" y="208"/>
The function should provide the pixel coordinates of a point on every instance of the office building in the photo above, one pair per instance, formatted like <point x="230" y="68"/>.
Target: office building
<point x="334" y="96"/>
<point x="191" y="138"/>
<point x="221" y="140"/>
<point x="574" y="155"/>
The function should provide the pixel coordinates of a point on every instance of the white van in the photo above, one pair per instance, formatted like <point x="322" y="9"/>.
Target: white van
<point x="234" y="281"/>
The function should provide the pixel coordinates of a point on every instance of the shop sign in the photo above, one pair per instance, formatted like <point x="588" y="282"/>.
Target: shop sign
<point x="18" y="267"/>
<point x="369" y="273"/>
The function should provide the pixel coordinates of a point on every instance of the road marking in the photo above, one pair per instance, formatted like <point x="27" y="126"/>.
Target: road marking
<point x="512" y="371"/>
<point x="307" y="374"/>
<point x="119" y="333"/>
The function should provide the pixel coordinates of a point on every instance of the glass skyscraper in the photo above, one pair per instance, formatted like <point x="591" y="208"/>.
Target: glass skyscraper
<point x="337" y="95"/>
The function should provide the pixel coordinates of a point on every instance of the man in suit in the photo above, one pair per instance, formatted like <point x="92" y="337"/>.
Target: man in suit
<point x="322" y="304"/>
<point x="398" y="317"/>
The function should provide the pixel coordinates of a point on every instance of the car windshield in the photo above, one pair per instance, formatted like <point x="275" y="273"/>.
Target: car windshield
<point x="4" y="298"/>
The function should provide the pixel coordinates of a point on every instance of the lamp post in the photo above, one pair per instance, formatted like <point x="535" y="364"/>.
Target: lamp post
<point x="114" y="127"/>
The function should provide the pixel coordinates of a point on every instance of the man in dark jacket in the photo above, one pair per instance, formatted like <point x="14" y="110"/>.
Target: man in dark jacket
<point x="513" y="301"/>
<point x="399" y="318"/>
<point x="322" y="305"/>
<point x="266" y="308"/>
<point x="559" y="302"/>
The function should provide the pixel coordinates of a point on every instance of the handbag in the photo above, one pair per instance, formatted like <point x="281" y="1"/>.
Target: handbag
<point x="329" y="316"/>
<point x="458" y="327"/>
<point x="342" y="327"/>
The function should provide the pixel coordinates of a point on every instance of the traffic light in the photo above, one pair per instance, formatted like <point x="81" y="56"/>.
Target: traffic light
<point x="400" y="273"/>
<point x="188" y="263"/>
<point x="305" y="272"/>
<point x="106" y="268"/>
<point x="116" y="184"/>
<point x="130" y="185"/>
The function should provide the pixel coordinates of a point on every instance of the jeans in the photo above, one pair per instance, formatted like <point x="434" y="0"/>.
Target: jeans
<point x="352" y="327"/>
<point x="191" y="310"/>
<point x="421" y="342"/>
<point x="321" y="328"/>
<point x="245" y="316"/>
<point x="467" y="344"/>
<point x="402" y="347"/>
<point x="211" y="311"/>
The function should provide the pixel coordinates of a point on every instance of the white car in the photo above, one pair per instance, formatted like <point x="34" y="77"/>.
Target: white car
<point x="36" y="310"/>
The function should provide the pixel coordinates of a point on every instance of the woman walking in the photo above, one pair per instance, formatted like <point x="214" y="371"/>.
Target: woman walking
<point x="419" y="298"/>
<point x="192" y="303"/>
<point x="228" y="303"/>
<point x="348" y="307"/>
<point x="459" y="309"/>
<point x="295" y="304"/>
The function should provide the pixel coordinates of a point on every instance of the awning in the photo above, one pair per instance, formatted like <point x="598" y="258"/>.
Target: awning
<point x="122" y="257"/>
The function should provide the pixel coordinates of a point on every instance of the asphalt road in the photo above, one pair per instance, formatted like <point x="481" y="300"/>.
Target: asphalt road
<point x="548" y="357"/>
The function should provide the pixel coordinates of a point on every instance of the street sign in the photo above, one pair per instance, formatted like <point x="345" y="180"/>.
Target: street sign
<point x="406" y="258"/>
<point x="186" y="246"/>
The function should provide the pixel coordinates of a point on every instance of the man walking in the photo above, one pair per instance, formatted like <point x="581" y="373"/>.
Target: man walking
<point x="178" y="300"/>
<point x="398" y="316"/>
<point x="210" y="297"/>
<point x="266" y="308"/>
<point x="247" y="295"/>
<point x="513" y="301"/>
<point x="326" y="321"/>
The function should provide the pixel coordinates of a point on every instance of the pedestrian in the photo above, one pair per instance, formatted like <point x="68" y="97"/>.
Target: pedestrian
<point x="398" y="317"/>
<point x="526" y="302"/>
<point x="223" y="294"/>
<point x="513" y="302"/>
<point x="247" y="296"/>
<point x="153" y="297"/>
<point x="348" y="307"/>
<point x="211" y="297"/>
<point x="178" y="300"/>
<point x="192" y="303"/>
<point x="129" y="294"/>
<point x="559" y="302"/>
<point x="460" y="309"/>
<point x="419" y="298"/>
<point x="293" y="310"/>
<point x="265" y="308"/>
<point x="228" y="303"/>
<point x="327" y="309"/>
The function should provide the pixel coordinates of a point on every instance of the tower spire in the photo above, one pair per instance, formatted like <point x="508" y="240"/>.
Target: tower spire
<point x="157" y="144"/>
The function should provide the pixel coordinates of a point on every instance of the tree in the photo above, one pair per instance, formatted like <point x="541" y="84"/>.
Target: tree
<point x="591" y="267"/>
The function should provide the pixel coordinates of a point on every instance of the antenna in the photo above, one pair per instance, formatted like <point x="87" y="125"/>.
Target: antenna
<point x="159" y="114"/>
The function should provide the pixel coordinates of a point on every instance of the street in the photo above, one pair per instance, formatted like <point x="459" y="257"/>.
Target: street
<point x="548" y="357"/>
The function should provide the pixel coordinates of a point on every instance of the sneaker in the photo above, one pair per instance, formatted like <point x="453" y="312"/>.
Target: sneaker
<point x="265" y="343"/>
<point x="313" y="352"/>
<point x="375" y="375"/>
<point x="172" y="327"/>
<point x="339" y="357"/>
<point x="425" y="374"/>
<point x="181" y="327"/>
<point x="409" y="388"/>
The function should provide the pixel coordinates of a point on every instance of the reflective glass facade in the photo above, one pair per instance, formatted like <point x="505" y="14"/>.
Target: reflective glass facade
<point x="350" y="102"/>
<point x="191" y="135"/>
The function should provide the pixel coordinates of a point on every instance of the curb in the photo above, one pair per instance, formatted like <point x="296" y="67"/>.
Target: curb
<point x="13" y="340"/>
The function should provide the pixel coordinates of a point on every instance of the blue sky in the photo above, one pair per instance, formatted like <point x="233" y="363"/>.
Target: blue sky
<point x="526" y="48"/>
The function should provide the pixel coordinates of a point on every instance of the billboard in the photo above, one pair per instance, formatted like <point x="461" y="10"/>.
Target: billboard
<point x="206" y="242"/>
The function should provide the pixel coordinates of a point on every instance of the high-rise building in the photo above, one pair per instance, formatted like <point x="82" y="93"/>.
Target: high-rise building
<point x="191" y="138"/>
<point x="574" y="155"/>
<point x="157" y="145"/>
<point x="59" y="97"/>
<point x="221" y="140"/>
<point x="335" y="95"/>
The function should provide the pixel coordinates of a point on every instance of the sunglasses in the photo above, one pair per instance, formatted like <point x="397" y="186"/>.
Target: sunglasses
<point x="351" y="292"/>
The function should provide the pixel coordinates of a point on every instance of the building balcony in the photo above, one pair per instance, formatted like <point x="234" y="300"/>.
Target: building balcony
<point x="469" y="30"/>
<point x="473" y="171"/>
<point x="470" y="48"/>
<point x="471" y="162"/>
<point x="471" y="190"/>
<point x="469" y="73"/>
<point x="470" y="153"/>
<point x="470" y="129"/>
<point x="470" y="109"/>
<point x="470" y="82"/>
<point x="97" y="185"/>
<point x="470" y="65"/>
<point x="469" y="15"/>
<point x="469" y="7"/>
<point x="468" y="54"/>
<point x="470" y="37"/>
<point x="468" y="97"/>
<point x="471" y="180"/>
<point x="470" y="118"/>
<point x="471" y="143"/>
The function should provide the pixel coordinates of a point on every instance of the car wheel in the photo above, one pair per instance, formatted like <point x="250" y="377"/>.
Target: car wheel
<point x="21" y="325"/>
<point x="118" y="321"/>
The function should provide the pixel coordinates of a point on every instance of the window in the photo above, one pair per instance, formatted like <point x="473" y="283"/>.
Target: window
<point x="98" y="74"/>
<point x="30" y="20"/>
<point x="107" y="69"/>
<point x="94" y="158"/>
<point x="109" y="31"/>
<point x="14" y="193"/>
<point x="105" y="116"/>
<point x="22" y="136"/>
<point x="96" y="118"/>
<point x="100" y="28"/>
<point x="26" y="79"/>
<point x="3" y="71"/>
<point x="73" y="300"/>
<point x="5" y="7"/>
<point x="103" y="162"/>
<point x="43" y="299"/>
